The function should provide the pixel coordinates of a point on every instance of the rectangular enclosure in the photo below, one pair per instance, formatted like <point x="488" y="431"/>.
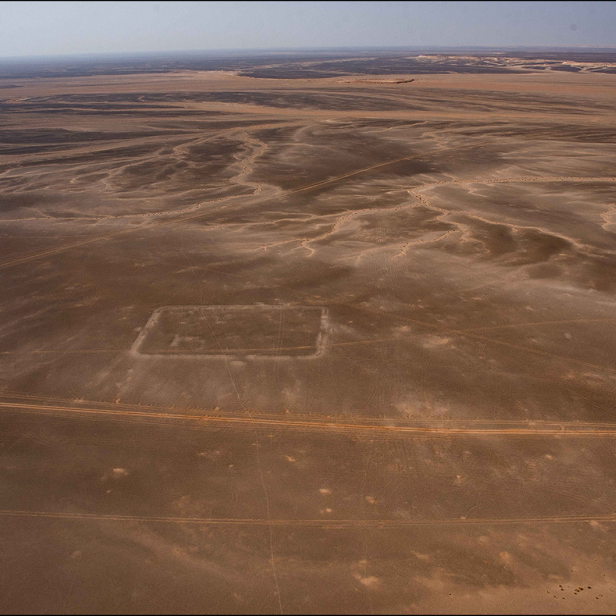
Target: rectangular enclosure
<point x="240" y="331"/>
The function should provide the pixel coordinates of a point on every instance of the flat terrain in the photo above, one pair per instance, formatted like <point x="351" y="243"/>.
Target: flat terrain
<point x="277" y="340"/>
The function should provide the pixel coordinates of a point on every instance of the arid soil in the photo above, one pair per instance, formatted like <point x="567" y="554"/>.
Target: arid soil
<point x="307" y="345"/>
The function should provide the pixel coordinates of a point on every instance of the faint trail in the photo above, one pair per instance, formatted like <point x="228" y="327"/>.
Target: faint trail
<point x="70" y="590"/>
<point x="279" y="346"/>
<point x="508" y="278"/>
<point x="259" y="466"/>
<point x="517" y="347"/>
<point x="551" y="178"/>
<point x="349" y="175"/>
<point x="23" y="436"/>
<point x="459" y="182"/>
<point x="311" y="523"/>
<point x="362" y="495"/>
<point x="107" y="236"/>
<point x="533" y="323"/>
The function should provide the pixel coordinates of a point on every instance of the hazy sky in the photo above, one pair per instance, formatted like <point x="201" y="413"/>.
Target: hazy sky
<point x="42" y="28"/>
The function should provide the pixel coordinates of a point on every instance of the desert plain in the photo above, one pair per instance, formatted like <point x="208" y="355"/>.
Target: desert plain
<point x="309" y="336"/>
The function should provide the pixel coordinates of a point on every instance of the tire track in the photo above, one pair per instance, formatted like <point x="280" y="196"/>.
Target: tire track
<point x="65" y="402"/>
<point x="312" y="523"/>
<point x="572" y="429"/>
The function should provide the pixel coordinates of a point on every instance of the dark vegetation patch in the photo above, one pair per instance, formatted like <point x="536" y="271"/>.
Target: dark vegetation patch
<point x="281" y="99"/>
<point x="553" y="132"/>
<point x="32" y="149"/>
<point x="91" y="157"/>
<point x="567" y="55"/>
<point x="214" y="154"/>
<point x="544" y="270"/>
<point x="514" y="101"/>
<point x="516" y="247"/>
<point x="376" y="66"/>
<point x="291" y="73"/>
<point x="64" y="136"/>
<point x="538" y="247"/>
<point x="38" y="104"/>
<point x="190" y="125"/>
<point x="567" y="67"/>
<point x="147" y="112"/>
<point x="283" y="134"/>
<point x="201" y="164"/>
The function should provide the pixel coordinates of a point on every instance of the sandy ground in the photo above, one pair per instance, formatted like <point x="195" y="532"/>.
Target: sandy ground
<point x="306" y="346"/>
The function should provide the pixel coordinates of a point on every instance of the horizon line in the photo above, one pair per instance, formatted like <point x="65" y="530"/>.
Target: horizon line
<point x="274" y="50"/>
